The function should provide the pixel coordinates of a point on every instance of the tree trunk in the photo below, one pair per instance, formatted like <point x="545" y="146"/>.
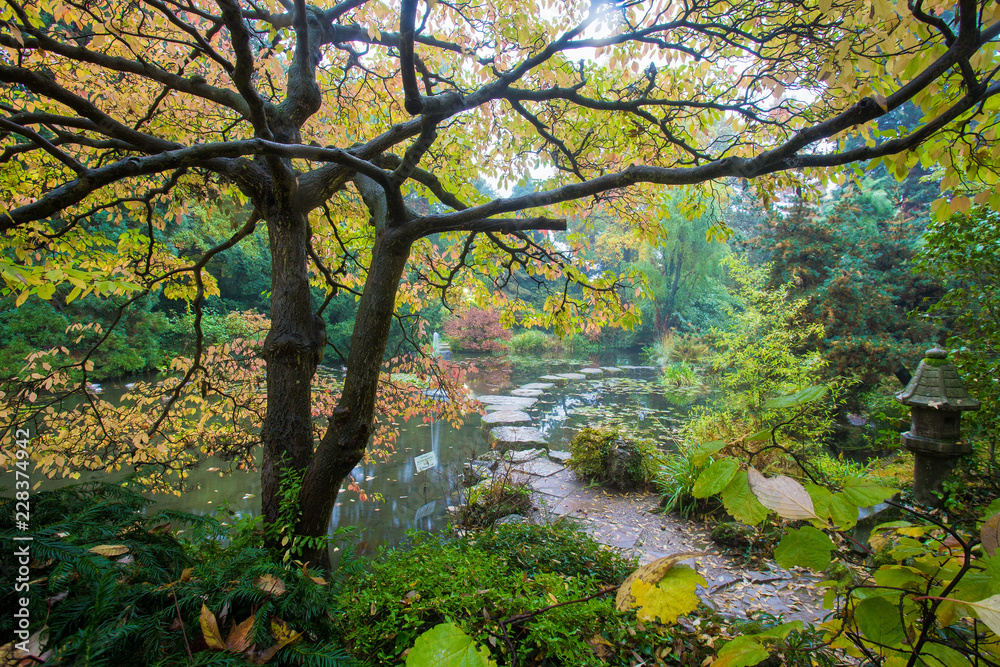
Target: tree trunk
<point x="345" y="441"/>
<point x="292" y="349"/>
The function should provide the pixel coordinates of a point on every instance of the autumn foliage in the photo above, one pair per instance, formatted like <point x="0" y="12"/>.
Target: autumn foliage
<point x="476" y="329"/>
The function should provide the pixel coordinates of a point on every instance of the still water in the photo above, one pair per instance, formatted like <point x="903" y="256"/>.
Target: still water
<point x="406" y="498"/>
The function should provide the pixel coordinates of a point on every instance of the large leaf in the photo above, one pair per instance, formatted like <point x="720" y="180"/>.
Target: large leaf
<point x="650" y="573"/>
<point x="988" y="611"/>
<point x="447" y="645"/>
<point x="989" y="534"/>
<point x="782" y="495"/>
<point x="864" y="493"/>
<point x="704" y="450"/>
<point x="714" y="478"/>
<point x="807" y="395"/>
<point x="672" y="596"/>
<point x="741" y="503"/>
<point x="741" y="652"/>
<point x="879" y="621"/>
<point x="805" y="547"/>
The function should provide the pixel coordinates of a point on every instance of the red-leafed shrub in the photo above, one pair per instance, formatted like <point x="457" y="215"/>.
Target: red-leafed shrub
<point x="476" y="329"/>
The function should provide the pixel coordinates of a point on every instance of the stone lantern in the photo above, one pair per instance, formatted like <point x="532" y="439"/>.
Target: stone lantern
<point x="936" y="398"/>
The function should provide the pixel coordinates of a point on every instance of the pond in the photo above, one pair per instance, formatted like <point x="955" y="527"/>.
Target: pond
<point x="406" y="498"/>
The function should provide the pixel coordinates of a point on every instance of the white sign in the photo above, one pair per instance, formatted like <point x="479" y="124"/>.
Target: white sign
<point x="425" y="511"/>
<point x="425" y="461"/>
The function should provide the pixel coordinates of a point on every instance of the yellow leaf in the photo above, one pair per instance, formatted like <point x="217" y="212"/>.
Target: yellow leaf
<point x="672" y="596"/>
<point x="210" y="629"/>
<point x="650" y="573"/>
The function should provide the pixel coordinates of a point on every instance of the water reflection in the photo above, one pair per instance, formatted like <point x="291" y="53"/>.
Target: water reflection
<point x="406" y="498"/>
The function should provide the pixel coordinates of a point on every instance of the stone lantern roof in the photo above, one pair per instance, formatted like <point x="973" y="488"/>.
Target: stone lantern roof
<point x="936" y="384"/>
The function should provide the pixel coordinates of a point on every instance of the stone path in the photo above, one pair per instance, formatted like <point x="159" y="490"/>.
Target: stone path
<point x="630" y="522"/>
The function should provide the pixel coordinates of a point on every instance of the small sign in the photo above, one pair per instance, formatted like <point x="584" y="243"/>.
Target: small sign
<point x="425" y="511"/>
<point x="425" y="461"/>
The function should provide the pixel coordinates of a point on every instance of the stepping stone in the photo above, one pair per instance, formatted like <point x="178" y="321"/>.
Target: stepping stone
<point x="505" y="417"/>
<point x="537" y="385"/>
<point x="640" y="368"/>
<point x="573" y="376"/>
<point x="511" y="402"/>
<point x="611" y="369"/>
<point x="516" y="435"/>
<point x="523" y="456"/>
<point x="592" y="371"/>
<point x="526" y="393"/>
<point x="558" y="486"/>
<point x="557" y="379"/>
<point x="559" y="456"/>
<point x="540" y="468"/>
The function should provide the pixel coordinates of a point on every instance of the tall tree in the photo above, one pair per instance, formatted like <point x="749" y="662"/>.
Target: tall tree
<point x="303" y="111"/>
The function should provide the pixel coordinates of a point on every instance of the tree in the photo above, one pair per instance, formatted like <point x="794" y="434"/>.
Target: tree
<point x="852" y="262"/>
<point x="302" y="112"/>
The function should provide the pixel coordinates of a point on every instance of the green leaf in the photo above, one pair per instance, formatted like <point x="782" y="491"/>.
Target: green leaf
<point x="864" y="493"/>
<point x="741" y="652"/>
<point x="446" y="645"/>
<point x="899" y="576"/>
<point x="842" y="512"/>
<point x="990" y="534"/>
<point x="781" y="631"/>
<point x="807" y="395"/>
<point x="705" y="450"/>
<point x="879" y="621"/>
<point x="714" y="478"/>
<point x="805" y="547"/>
<point x="944" y="656"/>
<point x="741" y="503"/>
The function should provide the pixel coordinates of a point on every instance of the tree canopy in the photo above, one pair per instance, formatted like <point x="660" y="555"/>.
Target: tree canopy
<point x="326" y="121"/>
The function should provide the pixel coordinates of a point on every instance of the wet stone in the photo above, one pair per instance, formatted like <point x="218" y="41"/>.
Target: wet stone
<point x="559" y="456"/>
<point x="611" y="369"/>
<point x="524" y="455"/>
<point x="538" y="385"/>
<point x="516" y="435"/>
<point x="526" y="393"/>
<point x="511" y="402"/>
<point x="592" y="371"/>
<point x="573" y="376"/>
<point x="506" y="417"/>
<point x="540" y="468"/>
<point x="555" y="379"/>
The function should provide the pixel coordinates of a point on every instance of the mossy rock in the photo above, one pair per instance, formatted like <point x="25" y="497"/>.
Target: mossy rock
<point x="612" y="459"/>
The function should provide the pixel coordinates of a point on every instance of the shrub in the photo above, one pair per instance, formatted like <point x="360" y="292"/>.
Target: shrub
<point x="679" y="374"/>
<point x="493" y="499"/>
<point x="476" y="329"/>
<point x="612" y="459"/>
<point x="672" y="347"/>
<point x="481" y="580"/>
<point x="120" y="588"/>
<point x="531" y="341"/>
<point x="676" y="478"/>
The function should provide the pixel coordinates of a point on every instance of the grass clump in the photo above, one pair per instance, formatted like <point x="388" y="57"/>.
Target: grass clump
<point x="608" y="457"/>
<point x="531" y="340"/>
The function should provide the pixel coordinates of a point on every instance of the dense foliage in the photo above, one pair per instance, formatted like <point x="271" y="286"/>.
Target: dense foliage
<point x="121" y="588"/>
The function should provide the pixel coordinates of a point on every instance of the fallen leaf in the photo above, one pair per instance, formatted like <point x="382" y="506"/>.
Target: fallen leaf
<point x="109" y="550"/>
<point x="270" y="584"/>
<point x="210" y="629"/>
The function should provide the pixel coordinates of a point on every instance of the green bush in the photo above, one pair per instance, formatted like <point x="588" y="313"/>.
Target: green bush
<point x="531" y="341"/>
<point x="676" y="478"/>
<point x="613" y="459"/>
<point x="672" y="347"/>
<point x="680" y="374"/>
<point x="115" y="586"/>
<point x="480" y="580"/>
<point x="493" y="499"/>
